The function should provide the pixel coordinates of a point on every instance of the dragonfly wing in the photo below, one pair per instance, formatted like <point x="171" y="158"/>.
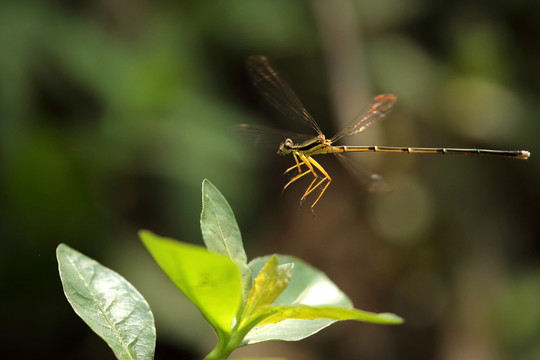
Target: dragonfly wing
<point x="276" y="91"/>
<point x="373" y="182"/>
<point x="265" y="135"/>
<point x="376" y="110"/>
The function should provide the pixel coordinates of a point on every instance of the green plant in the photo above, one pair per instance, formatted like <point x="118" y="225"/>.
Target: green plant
<point x="287" y="300"/>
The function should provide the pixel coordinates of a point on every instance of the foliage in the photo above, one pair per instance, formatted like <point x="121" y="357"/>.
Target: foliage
<point x="108" y="303"/>
<point x="287" y="300"/>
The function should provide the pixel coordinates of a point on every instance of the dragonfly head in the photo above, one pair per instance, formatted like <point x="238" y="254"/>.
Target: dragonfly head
<point x="286" y="147"/>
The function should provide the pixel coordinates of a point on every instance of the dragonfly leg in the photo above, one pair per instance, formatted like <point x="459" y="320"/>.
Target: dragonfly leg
<point x="306" y="161"/>
<point x="322" y="192"/>
<point x="296" y="178"/>
<point x="299" y="166"/>
<point x="297" y="163"/>
<point x="311" y="187"/>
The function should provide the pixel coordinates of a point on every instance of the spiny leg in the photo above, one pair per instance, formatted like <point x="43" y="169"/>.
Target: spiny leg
<point x="311" y="188"/>
<point x="297" y="166"/>
<point x="322" y="192"/>
<point x="304" y="161"/>
<point x="307" y="160"/>
<point x="326" y="177"/>
<point x="296" y="178"/>
<point x="311" y="164"/>
<point x="323" y="172"/>
<point x="297" y="163"/>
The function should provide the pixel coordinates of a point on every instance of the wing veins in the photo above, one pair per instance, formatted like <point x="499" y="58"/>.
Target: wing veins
<point x="277" y="92"/>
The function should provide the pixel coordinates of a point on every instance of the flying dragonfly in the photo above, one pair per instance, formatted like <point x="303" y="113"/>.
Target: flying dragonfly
<point x="280" y="95"/>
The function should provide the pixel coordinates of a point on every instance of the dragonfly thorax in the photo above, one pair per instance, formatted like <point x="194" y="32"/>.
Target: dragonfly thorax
<point x="316" y="145"/>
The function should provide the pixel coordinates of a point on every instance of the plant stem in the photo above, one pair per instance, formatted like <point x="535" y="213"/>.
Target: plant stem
<point x="220" y="351"/>
<point x="226" y="345"/>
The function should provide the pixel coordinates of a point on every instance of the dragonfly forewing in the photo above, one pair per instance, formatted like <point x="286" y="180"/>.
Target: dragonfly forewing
<point x="277" y="92"/>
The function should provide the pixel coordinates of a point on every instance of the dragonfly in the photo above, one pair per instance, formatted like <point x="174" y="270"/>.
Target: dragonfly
<point x="280" y="95"/>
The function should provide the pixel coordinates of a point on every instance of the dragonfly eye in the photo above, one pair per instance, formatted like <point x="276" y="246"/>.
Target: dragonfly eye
<point x="285" y="147"/>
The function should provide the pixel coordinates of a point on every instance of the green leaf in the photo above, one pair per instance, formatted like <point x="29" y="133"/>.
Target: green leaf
<point x="220" y="231"/>
<point x="310" y="303"/>
<point x="211" y="281"/>
<point x="308" y="285"/>
<point x="268" y="285"/>
<point x="276" y="314"/>
<point x="287" y="330"/>
<point x="109" y="304"/>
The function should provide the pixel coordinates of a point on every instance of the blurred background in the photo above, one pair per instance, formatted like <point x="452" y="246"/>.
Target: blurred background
<point x="113" y="112"/>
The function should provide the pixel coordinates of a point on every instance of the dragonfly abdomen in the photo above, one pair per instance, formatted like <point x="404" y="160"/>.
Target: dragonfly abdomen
<point x="520" y="154"/>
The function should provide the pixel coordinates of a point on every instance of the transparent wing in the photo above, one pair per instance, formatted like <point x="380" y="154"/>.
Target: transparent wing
<point x="376" y="110"/>
<point x="277" y="92"/>
<point x="265" y="135"/>
<point x="373" y="182"/>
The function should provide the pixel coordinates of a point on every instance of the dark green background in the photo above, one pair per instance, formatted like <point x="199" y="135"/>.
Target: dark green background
<point x="113" y="112"/>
